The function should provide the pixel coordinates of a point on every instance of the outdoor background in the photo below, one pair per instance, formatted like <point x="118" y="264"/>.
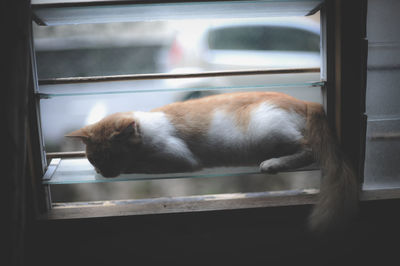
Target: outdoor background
<point x="114" y="49"/>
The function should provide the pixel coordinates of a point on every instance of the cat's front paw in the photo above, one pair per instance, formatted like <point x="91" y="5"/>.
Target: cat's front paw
<point x="271" y="166"/>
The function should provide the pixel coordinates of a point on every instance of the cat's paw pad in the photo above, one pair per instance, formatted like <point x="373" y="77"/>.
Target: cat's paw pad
<point x="270" y="166"/>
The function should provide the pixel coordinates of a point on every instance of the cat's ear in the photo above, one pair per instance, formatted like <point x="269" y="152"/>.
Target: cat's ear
<point x="79" y="134"/>
<point x="127" y="131"/>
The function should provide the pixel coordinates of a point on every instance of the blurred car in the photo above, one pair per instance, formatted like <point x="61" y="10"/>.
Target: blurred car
<point x="215" y="45"/>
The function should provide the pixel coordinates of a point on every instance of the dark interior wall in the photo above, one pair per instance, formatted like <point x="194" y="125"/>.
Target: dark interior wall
<point x="15" y="85"/>
<point x="265" y="236"/>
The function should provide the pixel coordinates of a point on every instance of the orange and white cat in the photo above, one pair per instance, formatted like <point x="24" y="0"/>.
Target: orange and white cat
<point x="272" y="130"/>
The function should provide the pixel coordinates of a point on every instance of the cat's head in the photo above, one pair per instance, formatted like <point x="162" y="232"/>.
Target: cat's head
<point x="109" y="142"/>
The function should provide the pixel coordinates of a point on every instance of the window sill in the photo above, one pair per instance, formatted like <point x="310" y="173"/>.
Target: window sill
<point x="165" y="205"/>
<point x="218" y="202"/>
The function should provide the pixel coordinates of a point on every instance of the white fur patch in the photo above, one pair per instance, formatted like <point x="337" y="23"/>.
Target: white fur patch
<point x="267" y="122"/>
<point x="223" y="129"/>
<point x="157" y="130"/>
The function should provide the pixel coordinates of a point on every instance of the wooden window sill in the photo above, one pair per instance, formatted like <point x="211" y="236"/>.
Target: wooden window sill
<point x="216" y="202"/>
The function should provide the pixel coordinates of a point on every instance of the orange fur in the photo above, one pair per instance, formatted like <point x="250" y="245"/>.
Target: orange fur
<point x="109" y="126"/>
<point x="239" y="103"/>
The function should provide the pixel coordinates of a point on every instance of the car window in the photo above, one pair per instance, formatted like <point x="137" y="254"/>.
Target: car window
<point x="275" y="38"/>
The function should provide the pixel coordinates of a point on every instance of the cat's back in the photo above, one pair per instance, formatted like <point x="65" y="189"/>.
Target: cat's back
<point x="238" y="104"/>
<point x="232" y="101"/>
<point x="237" y="118"/>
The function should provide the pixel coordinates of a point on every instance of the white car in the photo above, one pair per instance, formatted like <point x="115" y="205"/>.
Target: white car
<point x="214" y="45"/>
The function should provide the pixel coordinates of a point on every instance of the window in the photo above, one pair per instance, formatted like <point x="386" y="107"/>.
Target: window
<point x="382" y="108"/>
<point x="137" y="57"/>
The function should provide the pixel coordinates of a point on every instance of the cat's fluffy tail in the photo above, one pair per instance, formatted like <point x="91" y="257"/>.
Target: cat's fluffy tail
<point x="338" y="198"/>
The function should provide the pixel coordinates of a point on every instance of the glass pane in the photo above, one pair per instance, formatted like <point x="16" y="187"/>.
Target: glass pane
<point x="382" y="159"/>
<point x="100" y="49"/>
<point x="260" y="38"/>
<point x="382" y="167"/>
<point x="70" y="171"/>
<point x="184" y="86"/>
<point x="383" y="79"/>
<point x="383" y="93"/>
<point x="173" y="47"/>
<point x="383" y="21"/>
<point x="160" y="11"/>
<point x="185" y="186"/>
<point x="383" y="56"/>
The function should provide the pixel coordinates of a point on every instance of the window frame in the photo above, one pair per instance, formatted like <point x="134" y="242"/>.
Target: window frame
<point x="338" y="101"/>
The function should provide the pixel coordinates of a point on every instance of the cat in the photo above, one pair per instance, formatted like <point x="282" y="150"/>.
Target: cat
<point x="273" y="130"/>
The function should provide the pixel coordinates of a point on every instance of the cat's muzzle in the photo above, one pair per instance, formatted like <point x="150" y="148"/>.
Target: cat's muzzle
<point x="107" y="173"/>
